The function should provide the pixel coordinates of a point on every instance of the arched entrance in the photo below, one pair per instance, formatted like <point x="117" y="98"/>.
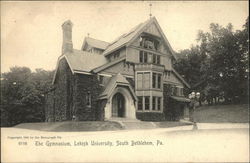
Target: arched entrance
<point x="118" y="105"/>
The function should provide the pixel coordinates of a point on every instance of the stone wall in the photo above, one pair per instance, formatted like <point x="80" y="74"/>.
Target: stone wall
<point x="83" y="85"/>
<point x="68" y="100"/>
<point x="63" y="84"/>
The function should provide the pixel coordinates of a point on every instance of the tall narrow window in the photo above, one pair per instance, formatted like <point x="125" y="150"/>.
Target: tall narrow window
<point x="159" y="81"/>
<point x="158" y="61"/>
<point x="139" y="80"/>
<point x="154" y="103"/>
<point x="146" y="80"/>
<point x="150" y="57"/>
<point x="140" y="103"/>
<point x="147" y="103"/>
<point x="154" y="80"/>
<point x="141" y="56"/>
<point x="145" y="57"/>
<point x="154" y="58"/>
<point x="88" y="99"/>
<point x="181" y="90"/>
<point x="159" y="103"/>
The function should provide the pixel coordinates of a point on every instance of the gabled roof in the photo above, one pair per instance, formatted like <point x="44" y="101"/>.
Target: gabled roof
<point x="102" y="67"/>
<point x="81" y="61"/>
<point x="95" y="43"/>
<point x="181" y="78"/>
<point x="127" y="39"/>
<point x="118" y="79"/>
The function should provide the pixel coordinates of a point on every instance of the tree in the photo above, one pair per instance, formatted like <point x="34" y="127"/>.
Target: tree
<point x="22" y="95"/>
<point x="218" y="65"/>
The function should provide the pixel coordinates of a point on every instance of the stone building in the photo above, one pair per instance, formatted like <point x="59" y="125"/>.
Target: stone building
<point x="132" y="77"/>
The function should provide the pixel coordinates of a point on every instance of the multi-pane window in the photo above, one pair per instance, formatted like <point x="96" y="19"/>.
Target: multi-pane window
<point x="159" y="103"/>
<point x="144" y="103"/>
<point x="177" y="91"/>
<point x="141" y="56"/>
<point x="146" y="80"/>
<point x="143" y="80"/>
<point x="147" y="103"/>
<point x="146" y="57"/>
<point x="158" y="59"/>
<point x="140" y="104"/>
<point x="156" y="80"/>
<point x="154" y="58"/>
<point x="139" y="80"/>
<point x="154" y="103"/>
<point x="159" y="81"/>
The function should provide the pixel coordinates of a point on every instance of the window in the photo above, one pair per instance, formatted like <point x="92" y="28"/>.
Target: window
<point x="88" y="99"/>
<point x="140" y="106"/>
<point x="158" y="59"/>
<point x="156" y="80"/>
<point x="159" y="103"/>
<point x="146" y="80"/>
<point x="143" y="80"/>
<point x="175" y="91"/>
<point x="147" y="103"/>
<point x="145" y="57"/>
<point x="141" y="56"/>
<point x="181" y="92"/>
<point x="150" y="57"/>
<point x="154" y="103"/>
<point x="159" y="81"/>
<point x="154" y="58"/>
<point x="139" y="80"/>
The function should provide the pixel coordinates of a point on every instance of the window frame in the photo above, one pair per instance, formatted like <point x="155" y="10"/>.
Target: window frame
<point x="88" y="99"/>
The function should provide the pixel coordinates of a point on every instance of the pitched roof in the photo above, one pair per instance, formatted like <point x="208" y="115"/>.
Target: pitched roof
<point x="125" y="38"/>
<point x="95" y="43"/>
<point x="84" y="61"/>
<point x="81" y="61"/>
<point x="181" y="78"/>
<point x="117" y="79"/>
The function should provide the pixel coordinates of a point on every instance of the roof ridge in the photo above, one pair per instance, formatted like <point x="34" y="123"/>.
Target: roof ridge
<point x="97" y="39"/>
<point x="129" y="32"/>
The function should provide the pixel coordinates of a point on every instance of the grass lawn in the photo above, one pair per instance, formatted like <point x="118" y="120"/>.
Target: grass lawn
<point x="72" y="126"/>
<point x="222" y="114"/>
<point x="204" y="114"/>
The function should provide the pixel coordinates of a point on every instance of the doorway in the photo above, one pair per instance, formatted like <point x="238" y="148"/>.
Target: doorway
<point x="118" y="105"/>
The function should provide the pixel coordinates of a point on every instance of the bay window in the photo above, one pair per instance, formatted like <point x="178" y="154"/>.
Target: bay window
<point x="140" y="103"/>
<point x="143" y="80"/>
<point x="145" y="101"/>
<point x="146" y="57"/>
<point x="156" y="80"/>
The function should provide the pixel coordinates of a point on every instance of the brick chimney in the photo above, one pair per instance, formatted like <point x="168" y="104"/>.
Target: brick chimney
<point x="67" y="45"/>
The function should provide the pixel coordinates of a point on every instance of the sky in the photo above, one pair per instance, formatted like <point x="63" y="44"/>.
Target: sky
<point x="31" y="33"/>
